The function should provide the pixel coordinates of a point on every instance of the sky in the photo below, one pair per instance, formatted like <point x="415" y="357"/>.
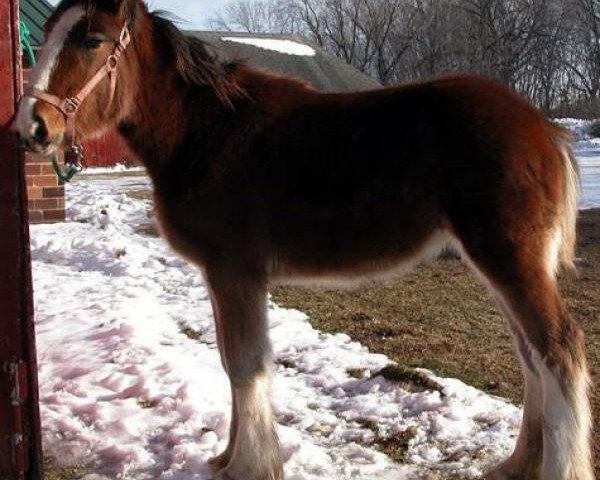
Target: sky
<point x="194" y="14"/>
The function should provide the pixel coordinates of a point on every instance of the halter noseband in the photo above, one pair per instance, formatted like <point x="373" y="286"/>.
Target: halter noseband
<point x="69" y="106"/>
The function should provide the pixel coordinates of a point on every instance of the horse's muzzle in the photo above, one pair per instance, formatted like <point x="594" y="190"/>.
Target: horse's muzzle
<point x="35" y="138"/>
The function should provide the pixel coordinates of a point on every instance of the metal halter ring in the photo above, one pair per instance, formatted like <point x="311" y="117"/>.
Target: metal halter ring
<point x="112" y="62"/>
<point x="71" y="105"/>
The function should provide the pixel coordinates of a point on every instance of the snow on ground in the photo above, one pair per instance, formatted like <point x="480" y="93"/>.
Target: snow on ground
<point x="132" y="386"/>
<point x="577" y="126"/>
<point x="118" y="168"/>
<point x="587" y="150"/>
<point x="288" y="47"/>
<point x="588" y="156"/>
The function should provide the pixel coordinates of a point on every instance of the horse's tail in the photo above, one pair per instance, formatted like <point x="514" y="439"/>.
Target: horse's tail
<point x="568" y="216"/>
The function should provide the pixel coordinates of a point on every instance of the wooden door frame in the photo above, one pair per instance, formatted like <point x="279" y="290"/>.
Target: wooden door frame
<point x="20" y="433"/>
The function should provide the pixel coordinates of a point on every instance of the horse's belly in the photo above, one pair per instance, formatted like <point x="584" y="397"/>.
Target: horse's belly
<point x="350" y="264"/>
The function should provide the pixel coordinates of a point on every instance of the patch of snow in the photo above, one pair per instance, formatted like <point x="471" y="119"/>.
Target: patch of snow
<point x="288" y="47"/>
<point x="588" y="157"/>
<point x="127" y="393"/>
<point x="118" y="168"/>
<point x="579" y="127"/>
<point x="587" y="152"/>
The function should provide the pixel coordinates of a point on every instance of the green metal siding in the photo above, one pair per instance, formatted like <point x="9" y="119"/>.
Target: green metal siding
<point x="35" y="13"/>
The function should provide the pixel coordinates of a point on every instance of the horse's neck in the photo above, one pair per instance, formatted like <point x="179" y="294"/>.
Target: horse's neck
<point x="170" y="123"/>
<point x="161" y="120"/>
<point x="154" y="127"/>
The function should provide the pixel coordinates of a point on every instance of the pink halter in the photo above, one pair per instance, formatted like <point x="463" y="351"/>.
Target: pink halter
<point x="69" y="106"/>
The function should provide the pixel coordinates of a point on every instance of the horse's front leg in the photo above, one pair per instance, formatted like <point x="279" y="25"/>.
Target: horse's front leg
<point x="240" y="307"/>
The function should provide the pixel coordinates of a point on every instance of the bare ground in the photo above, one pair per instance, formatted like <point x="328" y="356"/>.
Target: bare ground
<point x="441" y="318"/>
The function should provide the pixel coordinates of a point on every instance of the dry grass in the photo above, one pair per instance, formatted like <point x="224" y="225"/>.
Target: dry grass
<point x="69" y="473"/>
<point x="439" y="317"/>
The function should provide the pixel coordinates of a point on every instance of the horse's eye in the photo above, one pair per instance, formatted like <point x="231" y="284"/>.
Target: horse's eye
<point x="92" y="43"/>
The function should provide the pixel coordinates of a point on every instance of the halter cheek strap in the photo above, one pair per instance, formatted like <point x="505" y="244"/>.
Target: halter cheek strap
<point x="69" y="106"/>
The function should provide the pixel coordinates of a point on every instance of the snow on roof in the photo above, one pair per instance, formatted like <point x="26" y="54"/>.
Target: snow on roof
<point x="287" y="47"/>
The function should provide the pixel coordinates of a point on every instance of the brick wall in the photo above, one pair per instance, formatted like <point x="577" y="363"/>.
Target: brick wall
<point x="46" y="194"/>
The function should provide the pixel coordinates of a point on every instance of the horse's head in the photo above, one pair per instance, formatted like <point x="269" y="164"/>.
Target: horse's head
<point x="80" y="37"/>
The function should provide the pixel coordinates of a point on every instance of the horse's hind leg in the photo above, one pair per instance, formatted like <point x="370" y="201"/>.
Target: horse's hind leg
<point x="551" y="347"/>
<point x="526" y="460"/>
<point x="240" y="305"/>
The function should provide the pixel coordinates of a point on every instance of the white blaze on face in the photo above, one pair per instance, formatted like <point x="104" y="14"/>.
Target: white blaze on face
<point x="42" y="73"/>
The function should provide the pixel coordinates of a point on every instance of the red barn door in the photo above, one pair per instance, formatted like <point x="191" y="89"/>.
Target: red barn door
<point x="107" y="151"/>
<point x="20" y="446"/>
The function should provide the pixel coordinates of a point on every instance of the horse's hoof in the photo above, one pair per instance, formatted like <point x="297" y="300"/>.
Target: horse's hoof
<point x="218" y="474"/>
<point x="497" y="475"/>
<point x="223" y="475"/>
<point x="218" y="464"/>
<point x="229" y="473"/>
<point x="503" y="472"/>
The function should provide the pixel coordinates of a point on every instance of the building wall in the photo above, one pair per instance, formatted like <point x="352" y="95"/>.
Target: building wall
<point x="107" y="151"/>
<point x="45" y="193"/>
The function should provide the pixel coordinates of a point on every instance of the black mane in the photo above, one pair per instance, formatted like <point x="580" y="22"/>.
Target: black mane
<point x="196" y="65"/>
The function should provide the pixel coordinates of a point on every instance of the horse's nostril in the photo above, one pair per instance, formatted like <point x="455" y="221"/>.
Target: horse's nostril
<point x="23" y="142"/>
<point x="40" y="132"/>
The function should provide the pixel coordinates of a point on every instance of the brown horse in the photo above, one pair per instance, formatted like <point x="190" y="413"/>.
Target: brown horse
<point x="260" y="179"/>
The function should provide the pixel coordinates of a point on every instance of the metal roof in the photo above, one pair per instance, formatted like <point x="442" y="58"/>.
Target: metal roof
<point x="35" y="13"/>
<point x="324" y="71"/>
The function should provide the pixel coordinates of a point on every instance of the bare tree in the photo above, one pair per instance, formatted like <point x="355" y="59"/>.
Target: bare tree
<point x="258" y="16"/>
<point x="372" y="35"/>
<point x="583" y="56"/>
<point x="547" y="49"/>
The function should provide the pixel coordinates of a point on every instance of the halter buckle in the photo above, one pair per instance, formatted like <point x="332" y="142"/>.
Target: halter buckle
<point x="71" y="105"/>
<point x="74" y="156"/>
